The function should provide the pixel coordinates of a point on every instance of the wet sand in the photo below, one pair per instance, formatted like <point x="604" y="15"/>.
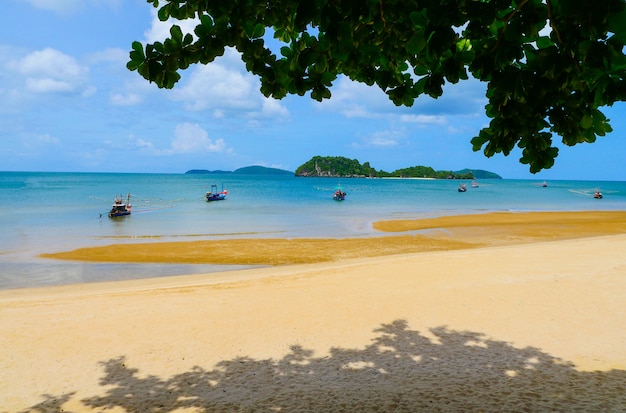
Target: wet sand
<point x="435" y="234"/>
<point x="488" y="315"/>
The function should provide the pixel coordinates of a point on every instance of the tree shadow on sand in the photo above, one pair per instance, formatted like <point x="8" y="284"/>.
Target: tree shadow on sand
<point x="400" y="371"/>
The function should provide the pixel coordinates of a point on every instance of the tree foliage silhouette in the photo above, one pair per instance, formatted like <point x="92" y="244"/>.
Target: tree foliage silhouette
<point x="549" y="65"/>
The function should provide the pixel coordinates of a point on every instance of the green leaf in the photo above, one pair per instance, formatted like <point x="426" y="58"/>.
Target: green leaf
<point x="544" y="42"/>
<point x="188" y="39"/>
<point x="418" y="19"/>
<point x="286" y="51"/>
<point x="133" y="65"/>
<point x="177" y="34"/>
<point x="164" y="12"/>
<point x="137" y="57"/>
<point x="587" y="121"/>
<point x="416" y="43"/>
<point x="138" y="48"/>
<point x="617" y="24"/>
<point x="259" y="30"/>
<point x="464" y="45"/>
<point x="410" y="50"/>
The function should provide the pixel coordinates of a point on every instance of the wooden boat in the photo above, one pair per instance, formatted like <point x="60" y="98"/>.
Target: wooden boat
<point x="339" y="194"/>
<point x="214" y="195"/>
<point x="120" y="208"/>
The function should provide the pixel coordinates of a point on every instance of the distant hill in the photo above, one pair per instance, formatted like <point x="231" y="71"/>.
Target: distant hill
<point x="335" y="166"/>
<point x="261" y="170"/>
<point x="339" y="166"/>
<point x="481" y="174"/>
<point x="247" y="170"/>
<point x="205" y="172"/>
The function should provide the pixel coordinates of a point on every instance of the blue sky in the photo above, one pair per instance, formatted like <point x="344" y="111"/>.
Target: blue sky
<point x="69" y="104"/>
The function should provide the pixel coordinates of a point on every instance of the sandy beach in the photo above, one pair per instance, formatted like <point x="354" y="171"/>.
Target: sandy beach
<point x="481" y="313"/>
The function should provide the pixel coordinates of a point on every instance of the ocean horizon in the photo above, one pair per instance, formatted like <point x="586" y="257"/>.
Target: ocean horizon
<point x="55" y="211"/>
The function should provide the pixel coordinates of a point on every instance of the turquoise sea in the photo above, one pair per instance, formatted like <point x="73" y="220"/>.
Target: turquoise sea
<point x="47" y="212"/>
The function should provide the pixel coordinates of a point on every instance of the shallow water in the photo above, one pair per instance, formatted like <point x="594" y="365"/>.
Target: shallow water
<point x="48" y="212"/>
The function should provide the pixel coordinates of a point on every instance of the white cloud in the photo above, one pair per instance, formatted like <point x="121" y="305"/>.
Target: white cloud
<point x="381" y="139"/>
<point x="191" y="138"/>
<point x="357" y="100"/>
<point x="46" y="139"/>
<point x="142" y="143"/>
<point x="130" y="143"/>
<point x="423" y="119"/>
<point x="226" y="90"/>
<point x="218" y="87"/>
<point x="354" y="99"/>
<point x="39" y="142"/>
<point x="50" y="71"/>
<point x="110" y="54"/>
<point x="47" y="85"/>
<point x="68" y="6"/>
<point x="59" y="6"/>
<point x="271" y="108"/>
<point x="223" y="87"/>
<point x="132" y="91"/>
<point x="128" y="99"/>
<point x="159" y="31"/>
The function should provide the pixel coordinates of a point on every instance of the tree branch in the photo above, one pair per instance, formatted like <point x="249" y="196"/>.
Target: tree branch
<point x="506" y="22"/>
<point x="551" y="19"/>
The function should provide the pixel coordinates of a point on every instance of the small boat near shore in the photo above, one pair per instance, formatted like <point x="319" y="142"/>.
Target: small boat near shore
<point x="462" y="188"/>
<point x="339" y="194"/>
<point x="214" y="195"/>
<point x="120" y="208"/>
<point x="597" y="194"/>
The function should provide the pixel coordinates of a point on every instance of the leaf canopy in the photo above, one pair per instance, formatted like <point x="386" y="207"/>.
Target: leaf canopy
<point x="548" y="65"/>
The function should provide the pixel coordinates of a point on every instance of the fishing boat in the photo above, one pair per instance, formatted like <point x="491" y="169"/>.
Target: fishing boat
<point x="340" y="194"/>
<point x="120" y="208"/>
<point x="214" y="195"/>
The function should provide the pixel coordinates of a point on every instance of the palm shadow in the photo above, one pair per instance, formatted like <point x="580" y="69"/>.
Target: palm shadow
<point x="400" y="371"/>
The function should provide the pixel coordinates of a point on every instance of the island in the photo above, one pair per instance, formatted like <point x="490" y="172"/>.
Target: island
<point x="341" y="167"/>
<point x="247" y="170"/>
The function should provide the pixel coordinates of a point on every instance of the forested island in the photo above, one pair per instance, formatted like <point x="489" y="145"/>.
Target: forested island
<point x="339" y="166"/>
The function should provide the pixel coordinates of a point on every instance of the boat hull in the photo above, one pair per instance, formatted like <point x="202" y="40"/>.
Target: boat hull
<point x="118" y="214"/>
<point x="220" y="197"/>
<point x="215" y="195"/>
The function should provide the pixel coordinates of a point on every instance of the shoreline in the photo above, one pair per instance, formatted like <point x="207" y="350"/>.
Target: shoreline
<point x="455" y="232"/>
<point x="527" y="322"/>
